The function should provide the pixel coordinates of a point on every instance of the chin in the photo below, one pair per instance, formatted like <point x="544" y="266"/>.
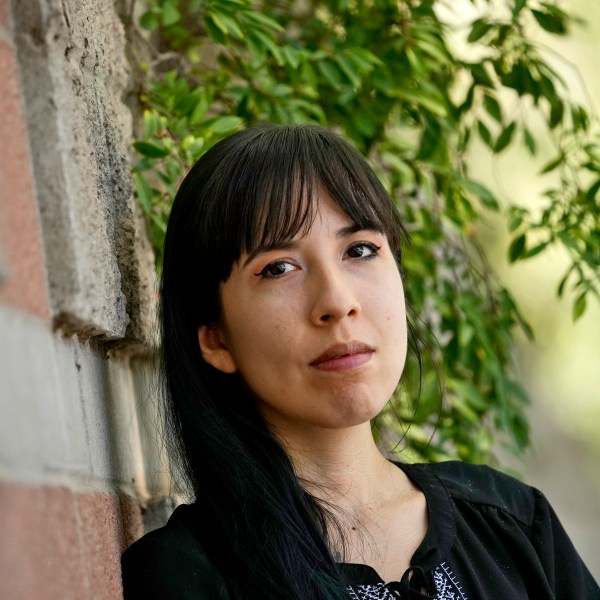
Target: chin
<point x="354" y="413"/>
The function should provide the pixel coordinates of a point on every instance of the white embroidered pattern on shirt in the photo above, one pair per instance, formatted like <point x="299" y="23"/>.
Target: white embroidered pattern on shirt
<point x="370" y="591"/>
<point x="446" y="584"/>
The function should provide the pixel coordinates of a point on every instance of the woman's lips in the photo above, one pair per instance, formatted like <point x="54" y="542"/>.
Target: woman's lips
<point x="343" y="357"/>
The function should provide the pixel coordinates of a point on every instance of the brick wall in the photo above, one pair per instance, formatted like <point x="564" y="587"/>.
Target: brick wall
<point x="76" y="304"/>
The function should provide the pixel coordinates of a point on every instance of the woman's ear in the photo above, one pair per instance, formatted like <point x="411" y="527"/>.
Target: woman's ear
<point x="213" y="348"/>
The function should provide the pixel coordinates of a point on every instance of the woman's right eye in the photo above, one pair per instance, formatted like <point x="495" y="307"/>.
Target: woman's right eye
<point x="276" y="269"/>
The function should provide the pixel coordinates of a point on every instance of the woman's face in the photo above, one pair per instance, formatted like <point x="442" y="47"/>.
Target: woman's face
<point x="315" y="327"/>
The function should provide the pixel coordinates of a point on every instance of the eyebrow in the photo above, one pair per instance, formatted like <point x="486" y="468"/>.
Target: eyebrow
<point x="291" y="244"/>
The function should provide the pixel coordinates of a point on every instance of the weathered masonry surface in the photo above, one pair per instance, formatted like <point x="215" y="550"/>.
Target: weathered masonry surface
<point x="77" y="294"/>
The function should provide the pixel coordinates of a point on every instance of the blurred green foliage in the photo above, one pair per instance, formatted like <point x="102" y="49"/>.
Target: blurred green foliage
<point x="384" y="73"/>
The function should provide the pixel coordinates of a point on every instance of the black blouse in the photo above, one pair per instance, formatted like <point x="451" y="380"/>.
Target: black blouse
<point x="490" y="537"/>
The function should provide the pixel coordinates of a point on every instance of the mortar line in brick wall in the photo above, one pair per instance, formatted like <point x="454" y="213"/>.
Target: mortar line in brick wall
<point x="76" y="483"/>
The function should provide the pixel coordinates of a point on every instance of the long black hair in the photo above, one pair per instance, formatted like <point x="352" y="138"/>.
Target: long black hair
<point x="262" y="530"/>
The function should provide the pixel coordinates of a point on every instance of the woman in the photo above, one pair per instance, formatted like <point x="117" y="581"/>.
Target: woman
<point x="284" y="334"/>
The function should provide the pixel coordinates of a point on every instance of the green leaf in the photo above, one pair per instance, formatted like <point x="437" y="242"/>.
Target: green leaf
<point x="563" y="282"/>
<point x="580" y="117"/>
<point x="219" y="22"/>
<point x="348" y="69"/>
<point x="150" y="149"/>
<point x="579" y="306"/>
<point x="535" y="250"/>
<point x="265" y="21"/>
<point x="553" y="164"/>
<point x="310" y="108"/>
<point x="226" y="23"/>
<point x="518" y="7"/>
<point x="557" y="110"/>
<point x="214" y="31"/>
<point x="593" y="190"/>
<point x="422" y="98"/>
<point x="570" y="239"/>
<point x="331" y="73"/>
<point x="152" y="123"/>
<point x="553" y="9"/>
<point x="366" y="124"/>
<point x="200" y="109"/>
<point x="292" y="56"/>
<point x="418" y="67"/>
<point x="173" y="168"/>
<point x="529" y="141"/>
<point x="149" y="21"/>
<point x="483" y="193"/>
<point x="224" y="125"/>
<point x="517" y="247"/>
<point x="196" y="149"/>
<point x="467" y="392"/>
<point x="593" y="151"/>
<point x="515" y="222"/>
<point x="465" y="411"/>
<point x="478" y="29"/>
<point x="143" y="192"/>
<point x="484" y="133"/>
<point x="550" y="22"/>
<point x="480" y="75"/>
<point x="492" y="106"/>
<point x="504" y="138"/>
<point x="436" y="50"/>
<point x="366" y="57"/>
<point x="170" y="14"/>
<point x="547" y="88"/>
<point x="268" y="42"/>
<point x="465" y="334"/>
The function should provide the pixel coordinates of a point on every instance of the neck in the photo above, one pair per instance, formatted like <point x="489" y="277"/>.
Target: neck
<point x="343" y="467"/>
<point x="366" y="498"/>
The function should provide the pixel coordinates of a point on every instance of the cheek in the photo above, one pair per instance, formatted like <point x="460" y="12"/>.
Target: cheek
<point x="258" y="335"/>
<point x="393" y="308"/>
<point x="389" y="301"/>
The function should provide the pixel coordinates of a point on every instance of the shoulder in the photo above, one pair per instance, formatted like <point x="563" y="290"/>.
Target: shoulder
<point x="485" y="508"/>
<point x="170" y="563"/>
<point x="482" y="485"/>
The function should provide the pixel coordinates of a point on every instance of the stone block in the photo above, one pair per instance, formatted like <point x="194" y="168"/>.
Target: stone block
<point x="74" y="76"/>
<point x="61" y="545"/>
<point x="146" y="383"/>
<point x="133" y="524"/>
<point x="40" y="529"/>
<point x="22" y="276"/>
<point x="102" y="541"/>
<point x="4" y="14"/>
<point x="68" y="411"/>
<point x="122" y="418"/>
<point x="29" y="399"/>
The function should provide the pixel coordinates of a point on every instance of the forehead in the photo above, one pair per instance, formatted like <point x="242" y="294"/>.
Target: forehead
<point x="328" y="216"/>
<point x="331" y="221"/>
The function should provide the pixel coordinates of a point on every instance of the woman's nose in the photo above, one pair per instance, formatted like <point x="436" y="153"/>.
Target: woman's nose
<point x="334" y="298"/>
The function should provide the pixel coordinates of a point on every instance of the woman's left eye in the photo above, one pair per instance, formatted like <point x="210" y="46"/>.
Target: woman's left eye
<point x="364" y="250"/>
